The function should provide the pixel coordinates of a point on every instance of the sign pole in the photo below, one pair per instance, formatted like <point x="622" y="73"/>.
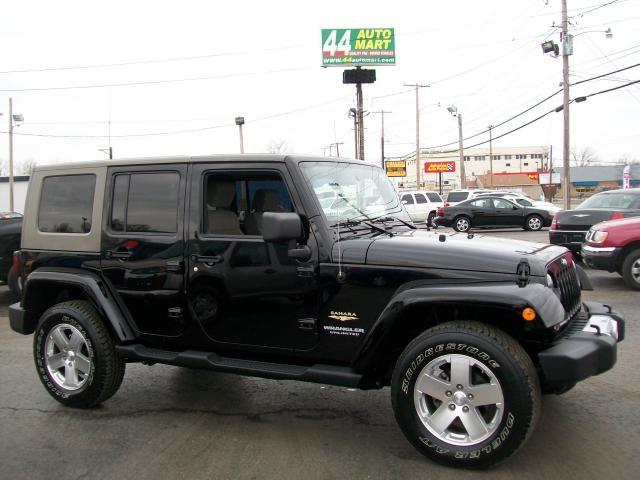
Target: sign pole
<point x="360" y="119"/>
<point x="440" y="181"/>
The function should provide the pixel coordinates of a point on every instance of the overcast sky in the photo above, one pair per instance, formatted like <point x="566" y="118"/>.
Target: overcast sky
<point x="262" y="60"/>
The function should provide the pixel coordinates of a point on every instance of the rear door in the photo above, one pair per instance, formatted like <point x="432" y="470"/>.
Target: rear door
<point x="410" y="204"/>
<point x="142" y="248"/>
<point x="422" y="206"/>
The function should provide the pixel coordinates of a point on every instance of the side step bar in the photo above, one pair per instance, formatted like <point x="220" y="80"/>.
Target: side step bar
<point x="327" y="374"/>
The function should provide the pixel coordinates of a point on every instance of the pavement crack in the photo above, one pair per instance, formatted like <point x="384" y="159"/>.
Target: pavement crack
<point x="313" y="414"/>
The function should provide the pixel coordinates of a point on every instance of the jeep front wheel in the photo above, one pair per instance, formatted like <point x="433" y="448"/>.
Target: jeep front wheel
<point x="465" y="394"/>
<point x="75" y="355"/>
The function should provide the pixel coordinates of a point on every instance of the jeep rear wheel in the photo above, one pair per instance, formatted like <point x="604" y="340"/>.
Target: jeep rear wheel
<point x="465" y="394"/>
<point x="75" y="355"/>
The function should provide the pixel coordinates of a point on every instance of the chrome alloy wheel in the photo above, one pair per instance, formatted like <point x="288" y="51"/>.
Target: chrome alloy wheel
<point x="462" y="225"/>
<point x="67" y="357"/>
<point x="459" y="400"/>
<point x="635" y="270"/>
<point x="535" y="223"/>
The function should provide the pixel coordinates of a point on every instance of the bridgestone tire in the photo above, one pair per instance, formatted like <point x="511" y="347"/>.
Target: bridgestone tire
<point x="106" y="366"/>
<point x="502" y="358"/>
<point x="629" y="269"/>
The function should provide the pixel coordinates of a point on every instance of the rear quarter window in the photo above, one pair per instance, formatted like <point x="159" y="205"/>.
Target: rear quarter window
<point x="66" y="204"/>
<point x="457" y="196"/>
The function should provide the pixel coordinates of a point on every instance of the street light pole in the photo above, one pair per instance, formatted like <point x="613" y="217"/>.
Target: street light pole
<point x="490" y="156"/>
<point x="10" y="154"/>
<point x="566" y="191"/>
<point x="240" y="122"/>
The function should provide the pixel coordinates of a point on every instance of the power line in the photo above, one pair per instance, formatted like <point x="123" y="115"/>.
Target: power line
<point x="192" y="130"/>
<point x="157" y="82"/>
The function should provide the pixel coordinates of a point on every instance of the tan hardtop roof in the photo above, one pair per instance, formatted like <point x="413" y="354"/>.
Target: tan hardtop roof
<point x="250" y="157"/>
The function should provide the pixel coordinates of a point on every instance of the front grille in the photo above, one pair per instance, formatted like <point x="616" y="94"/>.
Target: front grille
<point x="565" y="278"/>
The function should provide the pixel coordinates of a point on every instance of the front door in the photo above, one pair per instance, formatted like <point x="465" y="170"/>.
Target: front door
<point x="505" y="213"/>
<point x="142" y="251"/>
<point x="243" y="290"/>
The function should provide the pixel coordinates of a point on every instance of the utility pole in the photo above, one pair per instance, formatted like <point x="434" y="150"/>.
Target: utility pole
<point x="337" y="145"/>
<point x="417" y="87"/>
<point x="10" y="154"/>
<point x="566" y="46"/>
<point x="382" y="112"/>
<point x="490" y="156"/>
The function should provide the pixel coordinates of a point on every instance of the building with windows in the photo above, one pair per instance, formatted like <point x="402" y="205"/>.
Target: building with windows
<point x="504" y="160"/>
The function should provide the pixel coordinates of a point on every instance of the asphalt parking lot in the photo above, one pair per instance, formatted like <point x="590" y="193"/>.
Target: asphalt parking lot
<point x="168" y="422"/>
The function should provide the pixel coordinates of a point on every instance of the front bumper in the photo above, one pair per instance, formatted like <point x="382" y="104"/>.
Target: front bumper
<point x="18" y="320"/>
<point x="589" y="347"/>
<point x="600" y="258"/>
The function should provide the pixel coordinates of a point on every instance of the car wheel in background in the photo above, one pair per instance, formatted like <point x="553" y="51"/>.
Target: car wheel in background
<point x="631" y="269"/>
<point x="533" y="223"/>
<point x="430" y="219"/>
<point x="462" y="224"/>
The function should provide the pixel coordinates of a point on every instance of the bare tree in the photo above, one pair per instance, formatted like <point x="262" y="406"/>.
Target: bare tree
<point x="627" y="159"/>
<point x="278" y="146"/>
<point x="581" y="157"/>
<point x="26" y="167"/>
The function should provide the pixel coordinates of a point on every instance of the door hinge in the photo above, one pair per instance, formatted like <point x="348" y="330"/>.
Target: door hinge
<point x="175" y="313"/>
<point x="522" y="272"/>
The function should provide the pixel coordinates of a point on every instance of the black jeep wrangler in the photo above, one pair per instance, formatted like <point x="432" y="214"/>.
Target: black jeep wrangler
<point x="306" y="269"/>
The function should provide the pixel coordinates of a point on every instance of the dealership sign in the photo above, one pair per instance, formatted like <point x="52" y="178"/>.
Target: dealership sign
<point x="396" y="168"/>
<point x="439" y="167"/>
<point x="358" y="46"/>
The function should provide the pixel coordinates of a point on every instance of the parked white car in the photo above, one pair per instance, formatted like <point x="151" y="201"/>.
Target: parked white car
<point x="460" y="195"/>
<point x="525" y="201"/>
<point x="422" y="205"/>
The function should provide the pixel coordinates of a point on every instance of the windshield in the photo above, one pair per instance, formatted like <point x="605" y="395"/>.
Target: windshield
<point x="609" y="200"/>
<point x="348" y="191"/>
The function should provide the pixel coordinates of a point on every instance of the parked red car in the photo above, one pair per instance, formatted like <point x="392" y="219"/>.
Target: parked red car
<point x="615" y="246"/>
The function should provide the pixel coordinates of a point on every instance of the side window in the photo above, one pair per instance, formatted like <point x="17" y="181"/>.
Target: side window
<point x="479" y="203"/>
<point x="145" y="202"/>
<point x="420" y="198"/>
<point x="433" y="197"/>
<point x="407" y="199"/>
<point x="66" y="204"/>
<point x="502" y="204"/>
<point x="234" y="203"/>
<point x="524" y="202"/>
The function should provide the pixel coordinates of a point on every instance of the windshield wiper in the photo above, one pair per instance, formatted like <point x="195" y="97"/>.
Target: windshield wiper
<point x="391" y="218"/>
<point x="351" y="222"/>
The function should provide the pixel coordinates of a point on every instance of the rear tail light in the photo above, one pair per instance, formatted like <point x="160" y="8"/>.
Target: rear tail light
<point x="617" y="216"/>
<point x="440" y="212"/>
<point x="554" y="222"/>
<point x="15" y="262"/>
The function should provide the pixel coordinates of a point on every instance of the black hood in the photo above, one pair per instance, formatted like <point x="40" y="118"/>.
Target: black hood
<point x="456" y="251"/>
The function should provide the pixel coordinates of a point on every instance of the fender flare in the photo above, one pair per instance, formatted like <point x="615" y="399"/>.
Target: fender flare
<point x="94" y="286"/>
<point x="506" y="296"/>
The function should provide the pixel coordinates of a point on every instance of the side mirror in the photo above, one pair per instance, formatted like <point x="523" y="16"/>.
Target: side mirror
<point x="515" y="208"/>
<point x="281" y="226"/>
